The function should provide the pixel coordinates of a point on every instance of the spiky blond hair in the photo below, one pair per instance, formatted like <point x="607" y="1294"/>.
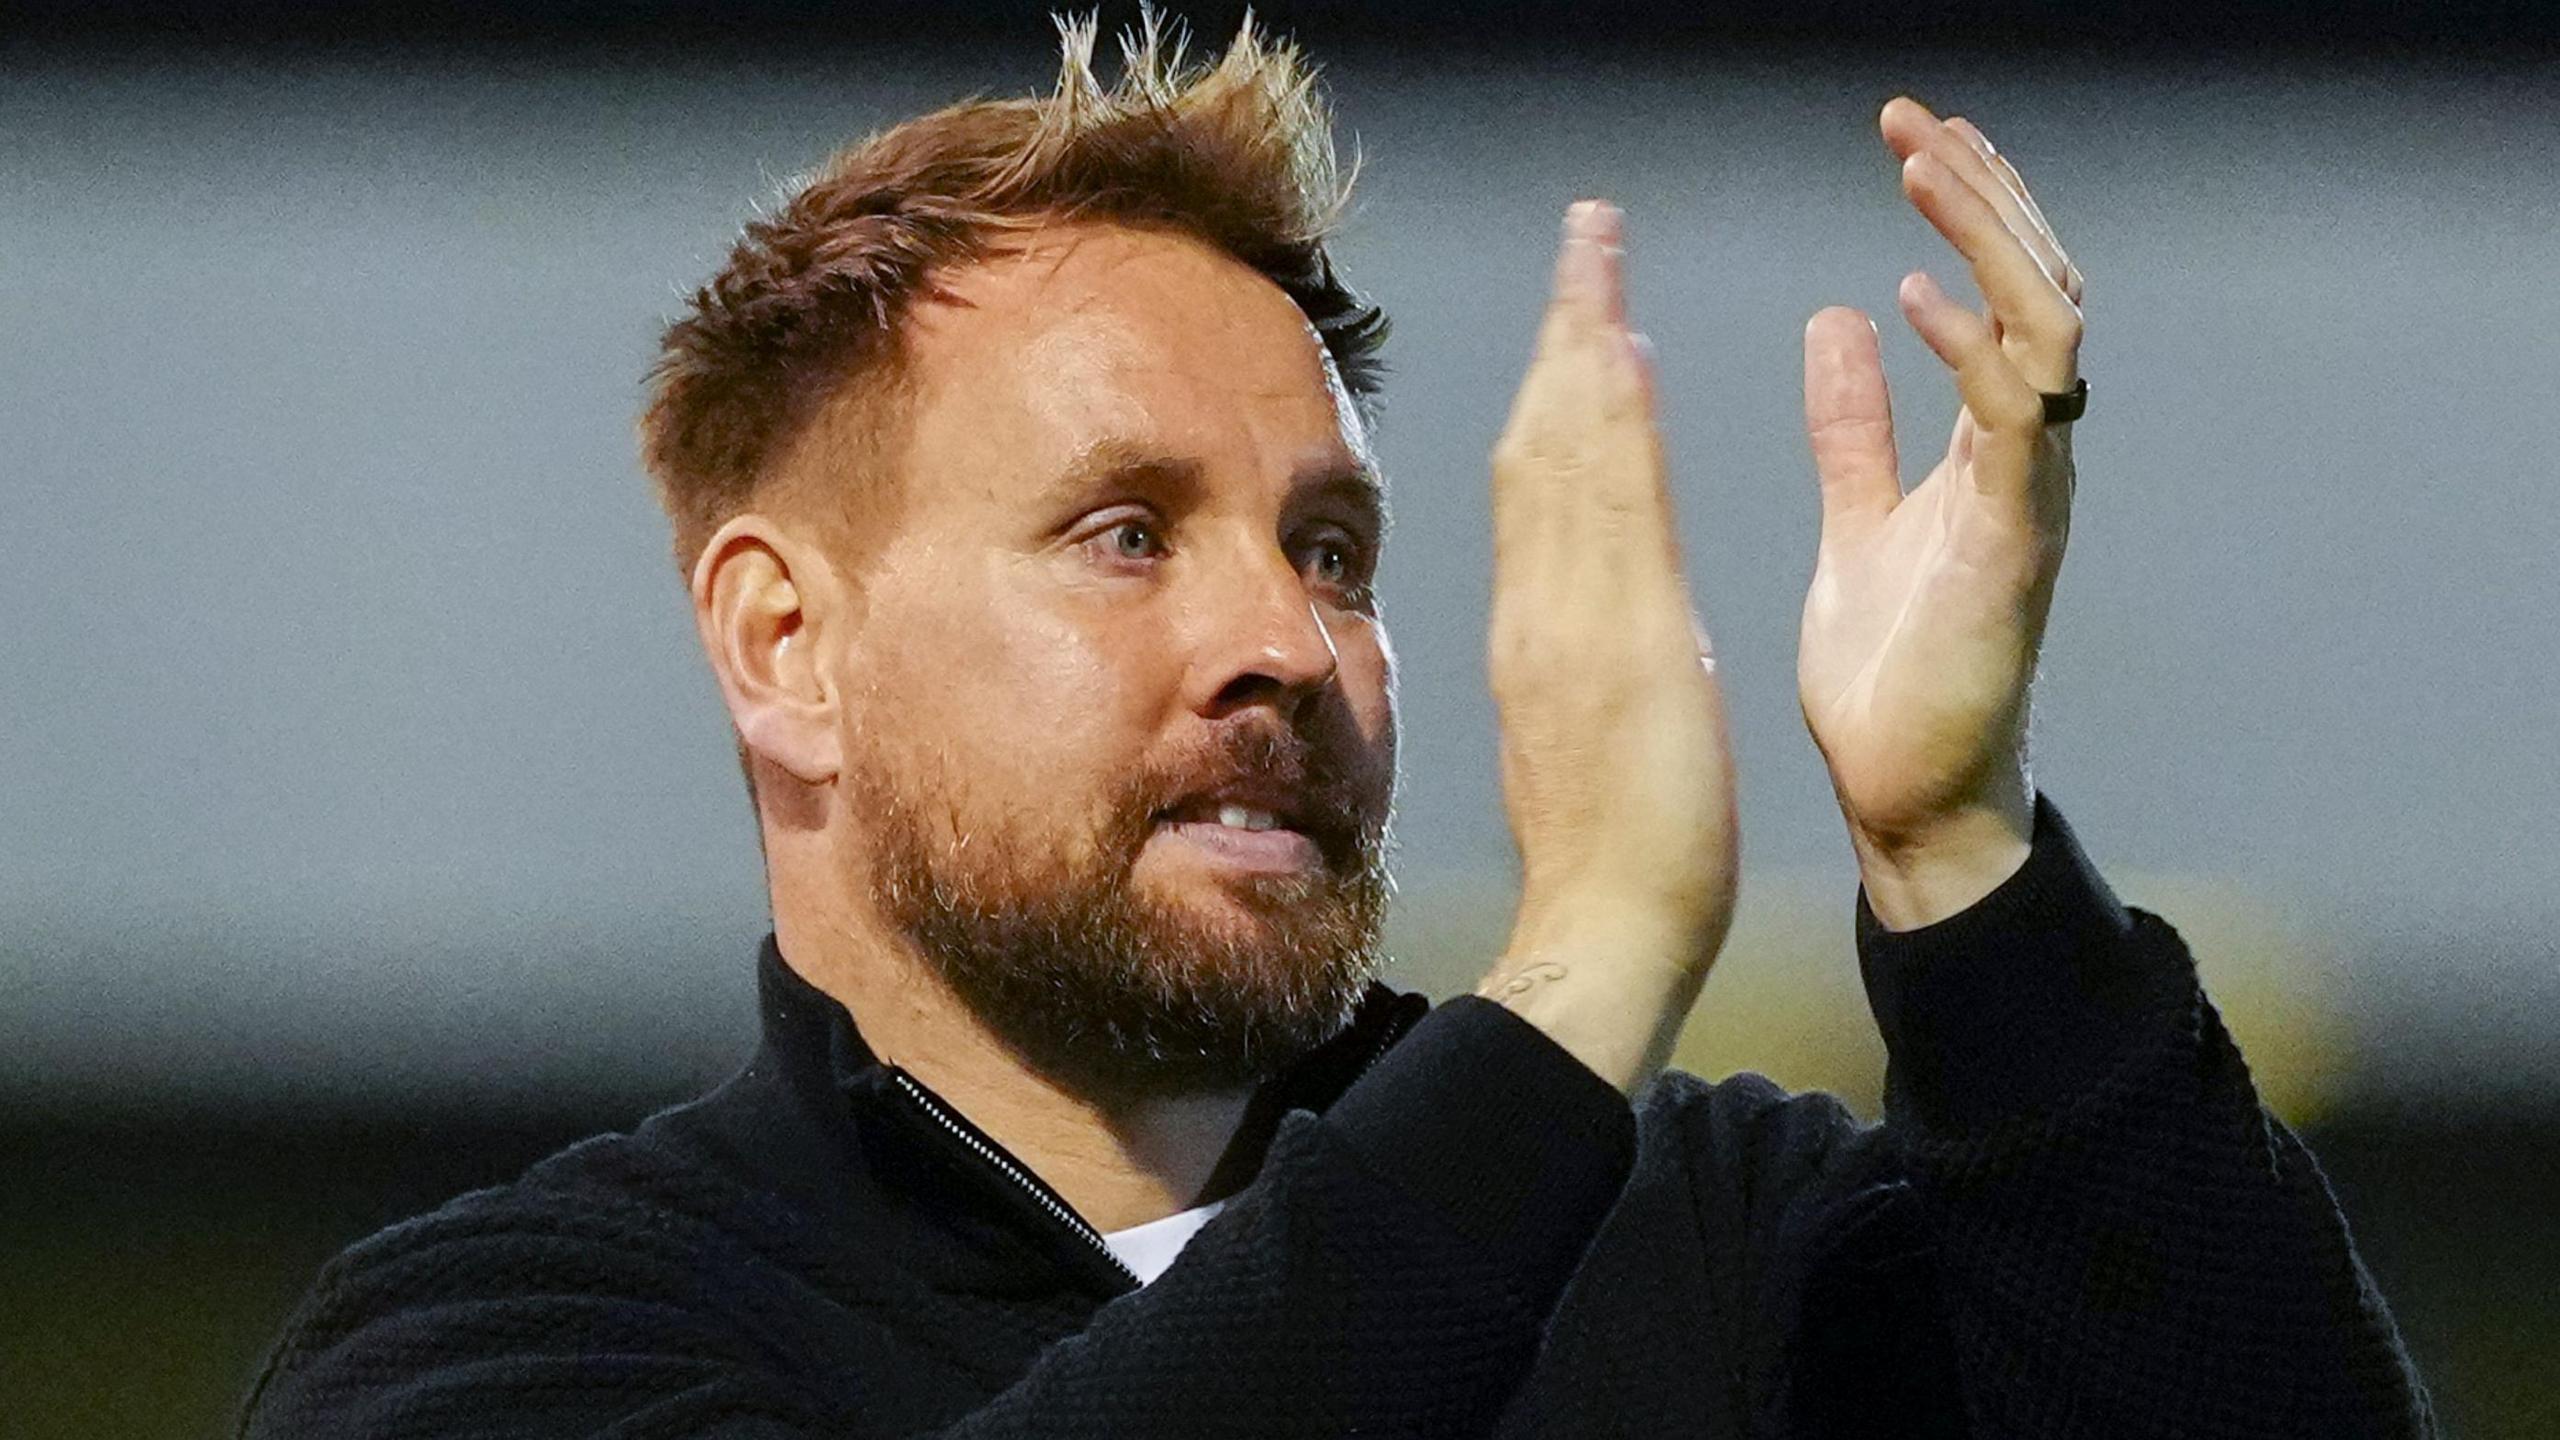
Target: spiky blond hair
<point x="1238" y="153"/>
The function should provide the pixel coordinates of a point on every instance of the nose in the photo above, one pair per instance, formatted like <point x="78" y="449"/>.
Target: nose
<point x="1263" y="640"/>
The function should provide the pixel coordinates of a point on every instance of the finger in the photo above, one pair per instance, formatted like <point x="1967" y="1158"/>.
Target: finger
<point x="1640" y="357"/>
<point x="2073" y="282"/>
<point x="2003" y="170"/>
<point x="2025" y="301"/>
<point x="1641" y="360"/>
<point x="1848" y="416"/>
<point x="1910" y="129"/>
<point x="2059" y="265"/>
<point x="1613" y="366"/>
<point x="1961" y="145"/>
<point x="1560" y="375"/>
<point x="1908" y="126"/>
<point x="1589" y="282"/>
<point x="2008" y="416"/>
<point x="1579" y="449"/>
<point x="1569" y="371"/>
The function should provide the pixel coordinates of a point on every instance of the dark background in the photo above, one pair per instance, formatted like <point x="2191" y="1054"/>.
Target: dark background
<point x="368" y="828"/>
<point x="2304" y="26"/>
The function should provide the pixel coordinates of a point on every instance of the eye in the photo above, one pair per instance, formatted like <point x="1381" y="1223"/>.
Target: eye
<point x="1332" y="560"/>
<point x="1127" y="540"/>
<point x="1135" y="539"/>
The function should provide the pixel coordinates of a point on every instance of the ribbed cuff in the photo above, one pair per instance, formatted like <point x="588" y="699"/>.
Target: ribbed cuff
<point x="2025" y="998"/>
<point x="1481" y="1116"/>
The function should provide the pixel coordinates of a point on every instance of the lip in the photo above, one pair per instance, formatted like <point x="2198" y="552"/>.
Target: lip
<point x="1282" y="802"/>
<point x="1279" y="851"/>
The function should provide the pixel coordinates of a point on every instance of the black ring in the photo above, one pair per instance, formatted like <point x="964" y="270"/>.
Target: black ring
<point x="2066" y="407"/>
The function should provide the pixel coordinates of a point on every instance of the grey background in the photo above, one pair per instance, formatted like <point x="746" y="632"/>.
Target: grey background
<point x="357" y="744"/>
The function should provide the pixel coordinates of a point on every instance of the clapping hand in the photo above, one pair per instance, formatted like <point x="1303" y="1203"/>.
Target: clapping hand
<point x="1615" y="765"/>
<point x="1927" y="608"/>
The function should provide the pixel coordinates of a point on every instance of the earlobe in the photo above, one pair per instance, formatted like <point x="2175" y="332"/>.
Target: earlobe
<point x="761" y="602"/>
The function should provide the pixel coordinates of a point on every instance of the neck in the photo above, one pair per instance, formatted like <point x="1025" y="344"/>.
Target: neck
<point x="1120" y="1163"/>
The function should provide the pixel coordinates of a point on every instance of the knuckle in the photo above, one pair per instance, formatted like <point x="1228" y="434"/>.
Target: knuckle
<point x="2014" y="407"/>
<point x="1522" y="454"/>
<point x="1618" y="511"/>
<point x="1848" y="430"/>
<point x="2001" y="399"/>
<point x="2047" y="330"/>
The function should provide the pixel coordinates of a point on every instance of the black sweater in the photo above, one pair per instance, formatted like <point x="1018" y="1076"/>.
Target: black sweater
<point x="2076" y="1220"/>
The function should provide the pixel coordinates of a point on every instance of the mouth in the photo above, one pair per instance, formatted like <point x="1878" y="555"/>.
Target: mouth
<point x="1253" y="834"/>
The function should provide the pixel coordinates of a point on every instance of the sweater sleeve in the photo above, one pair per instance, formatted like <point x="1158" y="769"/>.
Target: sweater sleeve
<point x="2119" y="1239"/>
<point x="1388" y="1273"/>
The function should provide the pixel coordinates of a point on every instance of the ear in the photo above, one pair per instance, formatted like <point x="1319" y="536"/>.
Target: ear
<point x="765" y="604"/>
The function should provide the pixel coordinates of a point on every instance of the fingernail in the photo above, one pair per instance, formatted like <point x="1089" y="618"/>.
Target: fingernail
<point x="1595" y="221"/>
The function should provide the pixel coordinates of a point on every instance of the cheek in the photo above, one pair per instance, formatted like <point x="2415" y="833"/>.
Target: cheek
<point x="1022" y="698"/>
<point x="1368" y="679"/>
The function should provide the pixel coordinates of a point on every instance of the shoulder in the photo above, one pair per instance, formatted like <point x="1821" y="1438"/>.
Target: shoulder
<point x="598" y="1217"/>
<point x="619" y="1191"/>
<point x="621" y="1251"/>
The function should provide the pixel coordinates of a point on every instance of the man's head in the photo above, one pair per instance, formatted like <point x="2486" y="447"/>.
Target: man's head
<point x="1019" y="469"/>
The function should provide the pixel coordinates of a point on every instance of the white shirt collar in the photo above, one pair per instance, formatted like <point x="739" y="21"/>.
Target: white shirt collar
<point x="1149" y="1249"/>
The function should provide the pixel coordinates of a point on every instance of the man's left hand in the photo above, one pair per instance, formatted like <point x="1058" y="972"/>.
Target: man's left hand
<point x="1927" y="609"/>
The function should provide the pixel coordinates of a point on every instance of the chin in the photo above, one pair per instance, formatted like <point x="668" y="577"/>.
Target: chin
<point x="1233" y="909"/>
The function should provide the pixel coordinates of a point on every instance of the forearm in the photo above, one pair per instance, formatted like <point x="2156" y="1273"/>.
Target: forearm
<point x="2129" y="1244"/>
<point x="1617" y="771"/>
<point x="2160" y="1258"/>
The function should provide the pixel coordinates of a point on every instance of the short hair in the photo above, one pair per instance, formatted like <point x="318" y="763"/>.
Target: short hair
<point x="1239" y="154"/>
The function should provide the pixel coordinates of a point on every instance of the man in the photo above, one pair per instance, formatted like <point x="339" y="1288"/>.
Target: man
<point x="1019" y="470"/>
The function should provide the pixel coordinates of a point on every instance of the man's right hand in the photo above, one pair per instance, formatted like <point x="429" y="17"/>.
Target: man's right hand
<point x="1615" y="763"/>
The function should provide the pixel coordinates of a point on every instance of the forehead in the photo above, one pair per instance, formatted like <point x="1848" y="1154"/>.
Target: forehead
<point x="1092" y="333"/>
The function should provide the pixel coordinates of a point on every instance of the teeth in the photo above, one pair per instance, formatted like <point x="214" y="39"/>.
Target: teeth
<point x="1242" y="817"/>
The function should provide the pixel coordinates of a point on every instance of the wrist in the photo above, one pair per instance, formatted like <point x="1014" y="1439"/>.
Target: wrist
<point x="1629" y="936"/>
<point x="1923" y="875"/>
<point x="1612" y="987"/>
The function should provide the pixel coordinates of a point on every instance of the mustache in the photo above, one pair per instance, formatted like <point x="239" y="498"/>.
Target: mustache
<point x="1341" y="789"/>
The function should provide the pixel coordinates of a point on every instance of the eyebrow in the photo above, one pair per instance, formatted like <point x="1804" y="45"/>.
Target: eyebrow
<point x="1112" y="461"/>
<point x="1115" y="462"/>
<point x="1355" y="484"/>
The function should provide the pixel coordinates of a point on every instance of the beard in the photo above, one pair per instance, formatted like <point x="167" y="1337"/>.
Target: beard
<point x="1119" y="993"/>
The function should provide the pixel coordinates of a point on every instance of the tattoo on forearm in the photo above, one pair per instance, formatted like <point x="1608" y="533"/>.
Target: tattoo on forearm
<point x="1512" y="988"/>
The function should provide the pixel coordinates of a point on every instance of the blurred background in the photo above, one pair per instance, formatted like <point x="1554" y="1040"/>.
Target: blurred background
<point x="368" y="824"/>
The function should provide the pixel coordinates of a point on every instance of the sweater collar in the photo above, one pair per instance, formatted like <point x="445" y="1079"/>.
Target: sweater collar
<point x="812" y="1045"/>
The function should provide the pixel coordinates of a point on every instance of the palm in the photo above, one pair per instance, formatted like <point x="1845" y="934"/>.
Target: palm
<point x="1919" y="639"/>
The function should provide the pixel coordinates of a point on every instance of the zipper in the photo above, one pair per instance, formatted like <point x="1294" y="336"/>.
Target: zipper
<point x="1003" y="1164"/>
<point x="1029" y="1184"/>
<point x="1388" y="1035"/>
